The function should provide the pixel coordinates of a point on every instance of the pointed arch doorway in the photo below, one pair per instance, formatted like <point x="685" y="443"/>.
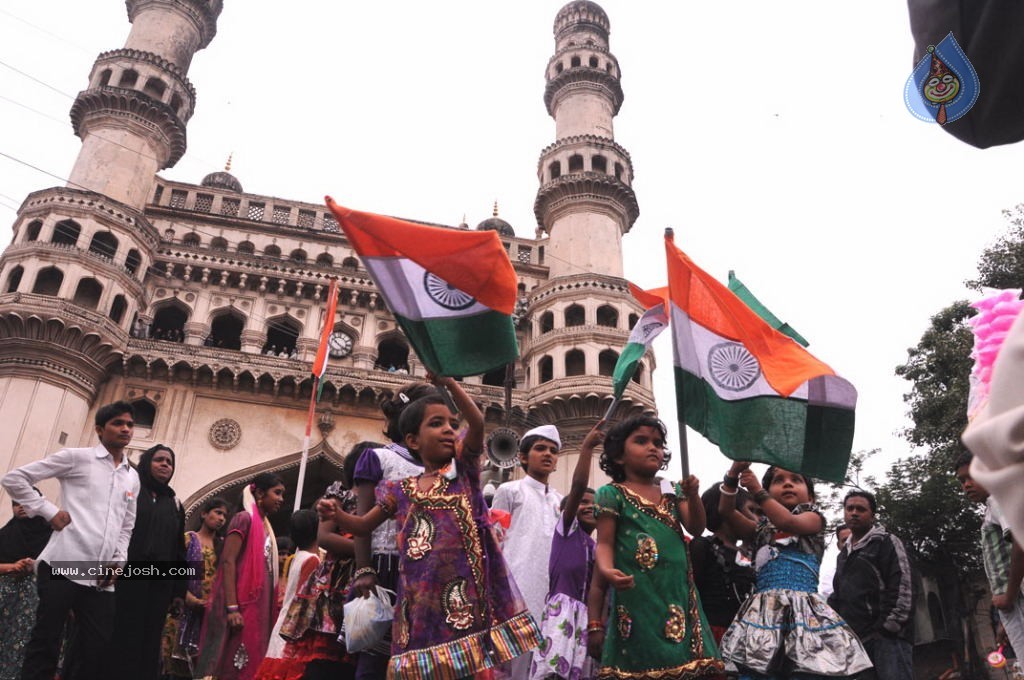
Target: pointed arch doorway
<point x="323" y="468"/>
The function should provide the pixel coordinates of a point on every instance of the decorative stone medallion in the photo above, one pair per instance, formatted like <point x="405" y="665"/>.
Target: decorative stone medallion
<point x="225" y="434"/>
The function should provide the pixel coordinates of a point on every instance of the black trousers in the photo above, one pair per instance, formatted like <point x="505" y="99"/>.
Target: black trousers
<point x="141" y="614"/>
<point x="94" y="628"/>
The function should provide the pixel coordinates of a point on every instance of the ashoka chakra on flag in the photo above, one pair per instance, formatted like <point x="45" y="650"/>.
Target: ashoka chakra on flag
<point x="732" y="366"/>
<point x="445" y="294"/>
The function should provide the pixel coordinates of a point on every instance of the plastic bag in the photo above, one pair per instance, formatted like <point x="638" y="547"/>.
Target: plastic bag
<point x="367" y="619"/>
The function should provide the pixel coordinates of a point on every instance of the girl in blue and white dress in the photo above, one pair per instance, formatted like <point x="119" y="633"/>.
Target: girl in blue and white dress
<point x="785" y="629"/>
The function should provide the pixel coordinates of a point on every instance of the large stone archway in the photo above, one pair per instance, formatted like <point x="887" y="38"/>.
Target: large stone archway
<point x="323" y="467"/>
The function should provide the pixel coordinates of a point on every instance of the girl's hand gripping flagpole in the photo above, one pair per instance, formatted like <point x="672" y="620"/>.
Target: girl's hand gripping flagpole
<point x="684" y="452"/>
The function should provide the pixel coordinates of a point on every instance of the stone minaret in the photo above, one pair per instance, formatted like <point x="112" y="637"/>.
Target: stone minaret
<point x="582" y="315"/>
<point x="71" y="282"/>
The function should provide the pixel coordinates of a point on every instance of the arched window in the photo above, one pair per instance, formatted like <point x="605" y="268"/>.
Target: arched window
<point x="575" y="315"/>
<point x="633" y="318"/>
<point x="350" y="263"/>
<point x="298" y="255"/>
<point x="128" y="78"/>
<point x="324" y="260"/>
<point x="574" y="62"/>
<point x="155" y="88"/>
<point x="133" y="260"/>
<point x="226" y="330"/>
<point x="104" y="77"/>
<point x="88" y="293"/>
<point x="496" y="377"/>
<point x="169" y="322"/>
<point x="607" y="316"/>
<point x="34" y="227"/>
<point x="559" y="68"/>
<point x="176" y="102"/>
<point x="576" y="163"/>
<point x="555" y="170"/>
<point x="219" y="243"/>
<point x="272" y="251"/>
<point x="638" y="374"/>
<point x="145" y="413"/>
<point x="606" y="362"/>
<point x="66" y="232"/>
<point x="392" y="355"/>
<point x="48" y="281"/>
<point x="593" y="62"/>
<point x="14" y="279"/>
<point x="282" y="334"/>
<point x="103" y="243"/>
<point x="618" y="171"/>
<point x="191" y="239"/>
<point x="599" y="164"/>
<point x="246" y="247"/>
<point x="545" y="369"/>
<point x="575" y="362"/>
<point x="547" y="322"/>
<point x="117" y="308"/>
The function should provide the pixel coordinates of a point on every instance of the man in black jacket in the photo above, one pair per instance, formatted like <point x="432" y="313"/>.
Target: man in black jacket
<point x="872" y="589"/>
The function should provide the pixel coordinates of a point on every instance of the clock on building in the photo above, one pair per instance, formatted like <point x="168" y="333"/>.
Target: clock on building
<point x="340" y="344"/>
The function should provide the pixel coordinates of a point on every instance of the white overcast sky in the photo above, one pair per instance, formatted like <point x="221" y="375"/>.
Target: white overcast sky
<point x="771" y="135"/>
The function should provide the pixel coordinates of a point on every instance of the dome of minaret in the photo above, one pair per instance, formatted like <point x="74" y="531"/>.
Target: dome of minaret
<point x="222" y="179"/>
<point x="581" y="12"/>
<point x="495" y="223"/>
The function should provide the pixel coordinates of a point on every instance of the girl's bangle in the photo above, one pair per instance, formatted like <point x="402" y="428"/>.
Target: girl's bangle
<point x="595" y="626"/>
<point x="232" y="608"/>
<point x="761" y="496"/>
<point x="725" y="490"/>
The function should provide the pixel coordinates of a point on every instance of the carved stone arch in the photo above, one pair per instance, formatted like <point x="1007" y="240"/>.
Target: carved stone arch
<point x="324" y="464"/>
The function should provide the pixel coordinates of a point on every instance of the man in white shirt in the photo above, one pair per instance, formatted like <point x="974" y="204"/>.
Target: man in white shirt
<point x="534" y="509"/>
<point x="90" y="538"/>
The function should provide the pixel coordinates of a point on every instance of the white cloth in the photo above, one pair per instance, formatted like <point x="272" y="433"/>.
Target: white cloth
<point x="549" y="432"/>
<point x="99" y="497"/>
<point x="527" y="543"/>
<point x="395" y="464"/>
<point x="996" y="435"/>
<point x="275" y="648"/>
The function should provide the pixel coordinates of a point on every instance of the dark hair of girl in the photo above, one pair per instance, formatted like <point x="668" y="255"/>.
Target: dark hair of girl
<point x="412" y="417"/>
<point x="304" y="525"/>
<point x="211" y="504"/>
<point x="393" y="406"/>
<point x="769" y="474"/>
<point x="265" y="481"/>
<point x="615" y="444"/>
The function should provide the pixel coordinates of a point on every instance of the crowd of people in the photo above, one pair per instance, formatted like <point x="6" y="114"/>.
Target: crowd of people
<point x="675" y="584"/>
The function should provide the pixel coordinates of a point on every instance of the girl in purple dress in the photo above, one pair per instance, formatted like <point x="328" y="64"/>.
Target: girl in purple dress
<point x="458" y="612"/>
<point x="563" y="651"/>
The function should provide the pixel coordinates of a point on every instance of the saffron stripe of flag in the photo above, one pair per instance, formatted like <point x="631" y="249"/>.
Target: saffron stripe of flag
<point x="323" y="350"/>
<point x="750" y="389"/>
<point x="648" y="326"/>
<point x="452" y="291"/>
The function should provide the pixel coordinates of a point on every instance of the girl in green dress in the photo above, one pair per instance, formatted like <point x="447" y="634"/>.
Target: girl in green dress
<point x="656" y="629"/>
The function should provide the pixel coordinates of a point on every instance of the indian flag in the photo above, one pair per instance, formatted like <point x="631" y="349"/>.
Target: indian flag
<point x="750" y="389"/>
<point x="323" y="350"/>
<point x="452" y="292"/>
<point x="647" y="327"/>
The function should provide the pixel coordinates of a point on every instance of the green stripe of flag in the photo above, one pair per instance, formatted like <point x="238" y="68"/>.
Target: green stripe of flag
<point x="625" y="367"/>
<point x="791" y="433"/>
<point x="461" y="346"/>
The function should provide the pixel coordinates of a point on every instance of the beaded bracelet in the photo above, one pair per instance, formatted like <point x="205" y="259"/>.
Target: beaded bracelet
<point x="595" y="626"/>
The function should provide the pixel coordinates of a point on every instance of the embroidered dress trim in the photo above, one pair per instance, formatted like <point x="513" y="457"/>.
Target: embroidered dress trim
<point x="470" y="654"/>
<point x="698" y="668"/>
<point x="661" y="512"/>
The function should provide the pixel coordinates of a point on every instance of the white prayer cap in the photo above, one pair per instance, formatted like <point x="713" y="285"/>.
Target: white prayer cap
<point x="549" y="432"/>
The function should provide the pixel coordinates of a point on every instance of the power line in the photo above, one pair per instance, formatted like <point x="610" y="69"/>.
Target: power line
<point x="34" y="79"/>
<point x="43" y="30"/>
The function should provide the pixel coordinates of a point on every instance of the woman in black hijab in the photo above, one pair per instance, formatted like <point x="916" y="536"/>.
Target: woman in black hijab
<point x="158" y="540"/>
<point x="21" y="541"/>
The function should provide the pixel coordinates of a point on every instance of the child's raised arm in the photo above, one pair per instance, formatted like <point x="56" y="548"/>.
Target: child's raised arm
<point x="743" y="527"/>
<point x="604" y="554"/>
<point x="691" y="509"/>
<point x="473" y="442"/>
<point x="581" y="474"/>
<point x="784" y="520"/>
<point x="358" y="525"/>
